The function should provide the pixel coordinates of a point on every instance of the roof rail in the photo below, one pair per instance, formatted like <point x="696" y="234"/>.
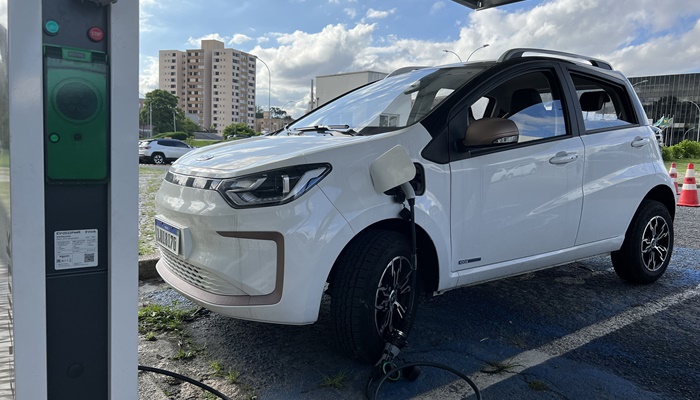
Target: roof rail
<point x="404" y="70"/>
<point x="518" y="53"/>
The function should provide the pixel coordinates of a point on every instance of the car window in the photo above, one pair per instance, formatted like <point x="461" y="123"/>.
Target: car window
<point x="180" y="144"/>
<point x="393" y="102"/>
<point x="604" y="105"/>
<point x="532" y="101"/>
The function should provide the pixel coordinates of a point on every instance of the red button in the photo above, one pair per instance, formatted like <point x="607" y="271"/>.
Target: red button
<point x="96" y="34"/>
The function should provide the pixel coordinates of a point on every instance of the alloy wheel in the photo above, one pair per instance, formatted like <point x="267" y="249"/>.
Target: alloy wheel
<point x="655" y="243"/>
<point x="392" y="299"/>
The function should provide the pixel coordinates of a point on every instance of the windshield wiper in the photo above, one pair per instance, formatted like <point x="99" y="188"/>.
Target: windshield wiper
<point x="344" y="129"/>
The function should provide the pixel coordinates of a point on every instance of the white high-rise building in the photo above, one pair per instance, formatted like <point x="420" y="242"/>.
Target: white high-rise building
<point x="215" y="85"/>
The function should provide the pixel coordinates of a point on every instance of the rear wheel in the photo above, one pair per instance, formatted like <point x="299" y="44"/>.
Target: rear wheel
<point x="158" y="158"/>
<point x="648" y="245"/>
<point x="372" y="293"/>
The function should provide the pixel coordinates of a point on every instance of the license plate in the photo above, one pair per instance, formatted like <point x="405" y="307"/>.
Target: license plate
<point x="168" y="236"/>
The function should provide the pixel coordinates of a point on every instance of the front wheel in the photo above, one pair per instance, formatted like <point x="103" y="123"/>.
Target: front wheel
<point x="648" y="245"/>
<point x="372" y="293"/>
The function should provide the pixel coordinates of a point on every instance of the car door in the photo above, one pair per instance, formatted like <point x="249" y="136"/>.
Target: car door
<point x="179" y="149"/>
<point x="522" y="199"/>
<point x="621" y="155"/>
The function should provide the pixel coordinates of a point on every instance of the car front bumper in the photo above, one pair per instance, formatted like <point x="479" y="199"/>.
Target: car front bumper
<point x="265" y="264"/>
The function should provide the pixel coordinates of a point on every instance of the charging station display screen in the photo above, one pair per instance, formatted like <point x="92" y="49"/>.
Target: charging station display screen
<point x="76" y="123"/>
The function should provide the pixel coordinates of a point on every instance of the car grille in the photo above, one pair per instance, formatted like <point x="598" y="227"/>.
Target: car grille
<point x="198" y="277"/>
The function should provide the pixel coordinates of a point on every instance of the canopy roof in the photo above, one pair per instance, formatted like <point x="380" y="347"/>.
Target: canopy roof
<point x="484" y="4"/>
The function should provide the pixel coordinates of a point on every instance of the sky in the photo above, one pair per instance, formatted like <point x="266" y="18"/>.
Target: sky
<point x="302" y="39"/>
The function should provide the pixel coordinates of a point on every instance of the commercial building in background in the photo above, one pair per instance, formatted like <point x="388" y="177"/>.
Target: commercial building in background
<point x="672" y="102"/>
<point x="267" y="124"/>
<point x="328" y="87"/>
<point x="215" y="85"/>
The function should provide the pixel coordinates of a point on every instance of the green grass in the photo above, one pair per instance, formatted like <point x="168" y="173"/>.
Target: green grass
<point x="537" y="386"/>
<point x="682" y="166"/>
<point x="219" y="370"/>
<point x="202" y="142"/>
<point x="156" y="318"/>
<point x="183" y="354"/>
<point x="336" y="381"/>
<point x="150" y="179"/>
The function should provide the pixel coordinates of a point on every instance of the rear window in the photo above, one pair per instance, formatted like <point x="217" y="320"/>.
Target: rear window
<point x="604" y="104"/>
<point x="144" y="143"/>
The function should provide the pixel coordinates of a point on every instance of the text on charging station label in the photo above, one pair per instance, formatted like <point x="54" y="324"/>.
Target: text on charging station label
<point x="75" y="248"/>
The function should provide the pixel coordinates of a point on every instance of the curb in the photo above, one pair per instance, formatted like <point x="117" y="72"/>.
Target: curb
<point x="147" y="266"/>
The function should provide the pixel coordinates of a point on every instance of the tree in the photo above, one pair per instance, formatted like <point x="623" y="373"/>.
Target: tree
<point x="259" y="112"/>
<point x="278" y="113"/>
<point x="239" y="130"/>
<point x="163" y="108"/>
<point x="188" y="126"/>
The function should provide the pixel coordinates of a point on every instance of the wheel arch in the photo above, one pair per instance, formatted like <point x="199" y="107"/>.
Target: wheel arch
<point x="428" y="266"/>
<point x="664" y="195"/>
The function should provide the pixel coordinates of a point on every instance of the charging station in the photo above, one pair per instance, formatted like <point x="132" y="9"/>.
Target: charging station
<point x="68" y="199"/>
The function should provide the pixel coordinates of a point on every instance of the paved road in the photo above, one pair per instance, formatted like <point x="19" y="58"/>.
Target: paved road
<point x="571" y="332"/>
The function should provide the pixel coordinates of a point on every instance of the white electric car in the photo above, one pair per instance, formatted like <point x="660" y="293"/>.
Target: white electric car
<point x="537" y="159"/>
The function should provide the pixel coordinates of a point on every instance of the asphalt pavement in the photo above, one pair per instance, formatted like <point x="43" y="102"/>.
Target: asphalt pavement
<point x="569" y="332"/>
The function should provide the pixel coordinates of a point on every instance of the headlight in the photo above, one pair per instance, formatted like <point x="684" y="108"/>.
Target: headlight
<point x="272" y="187"/>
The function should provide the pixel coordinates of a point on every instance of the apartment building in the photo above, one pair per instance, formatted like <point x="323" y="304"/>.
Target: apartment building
<point x="215" y="85"/>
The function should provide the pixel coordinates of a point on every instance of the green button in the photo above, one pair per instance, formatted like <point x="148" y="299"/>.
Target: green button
<point x="54" y="138"/>
<point x="51" y="27"/>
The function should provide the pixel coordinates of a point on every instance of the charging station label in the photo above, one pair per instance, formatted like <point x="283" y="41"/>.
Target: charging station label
<point x="75" y="249"/>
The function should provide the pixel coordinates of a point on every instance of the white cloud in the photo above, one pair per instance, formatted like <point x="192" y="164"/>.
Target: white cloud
<point x="597" y="28"/>
<point x="376" y="14"/>
<point x="197" y="42"/>
<point x="437" y="6"/>
<point x="148" y="79"/>
<point x="240" y="38"/>
<point x="350" y="12"/>
<point x="626" y="33"/>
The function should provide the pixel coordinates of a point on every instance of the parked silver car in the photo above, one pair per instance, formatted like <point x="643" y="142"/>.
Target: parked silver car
<point x="161" y="151"/>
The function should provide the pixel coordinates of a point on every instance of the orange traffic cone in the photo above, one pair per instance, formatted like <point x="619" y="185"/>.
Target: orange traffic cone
<point x="674" y="175"/>
<point x="689" y="195"/>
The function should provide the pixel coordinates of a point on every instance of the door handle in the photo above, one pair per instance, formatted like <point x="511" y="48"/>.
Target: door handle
<point x="563" y="157"/>
<point x="640" y="141"/>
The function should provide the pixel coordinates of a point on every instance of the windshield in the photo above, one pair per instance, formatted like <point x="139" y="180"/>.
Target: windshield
<point x="388" y="104"/>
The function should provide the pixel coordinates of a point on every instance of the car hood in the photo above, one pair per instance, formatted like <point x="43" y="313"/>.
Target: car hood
<point x="240" y="157"/>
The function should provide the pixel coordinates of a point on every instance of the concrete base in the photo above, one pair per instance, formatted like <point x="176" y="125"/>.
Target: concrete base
<point x="147" y="266"/>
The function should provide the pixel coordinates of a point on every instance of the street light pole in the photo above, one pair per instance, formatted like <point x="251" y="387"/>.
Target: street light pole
<point x="450" y="51"/>
<point x="269" y="91"/>
<point x="174" y="123"/>
<point x="477" y="49"/>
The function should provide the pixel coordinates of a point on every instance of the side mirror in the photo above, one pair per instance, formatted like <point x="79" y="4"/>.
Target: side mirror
<point x="491" y="131"/>
<point x="392" y="169"/>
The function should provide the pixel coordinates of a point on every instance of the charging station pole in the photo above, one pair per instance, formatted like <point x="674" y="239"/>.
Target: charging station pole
<point x="72" y="84"/>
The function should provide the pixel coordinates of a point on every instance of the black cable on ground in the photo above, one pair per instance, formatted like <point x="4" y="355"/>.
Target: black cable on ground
<point x="186" y="379"/>
<point x="395" y="370"/>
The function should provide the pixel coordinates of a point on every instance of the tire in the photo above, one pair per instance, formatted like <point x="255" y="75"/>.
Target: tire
<point x="362" y="290"/>
<point x="158" y="158"/>
<point x="646" y="251"/>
